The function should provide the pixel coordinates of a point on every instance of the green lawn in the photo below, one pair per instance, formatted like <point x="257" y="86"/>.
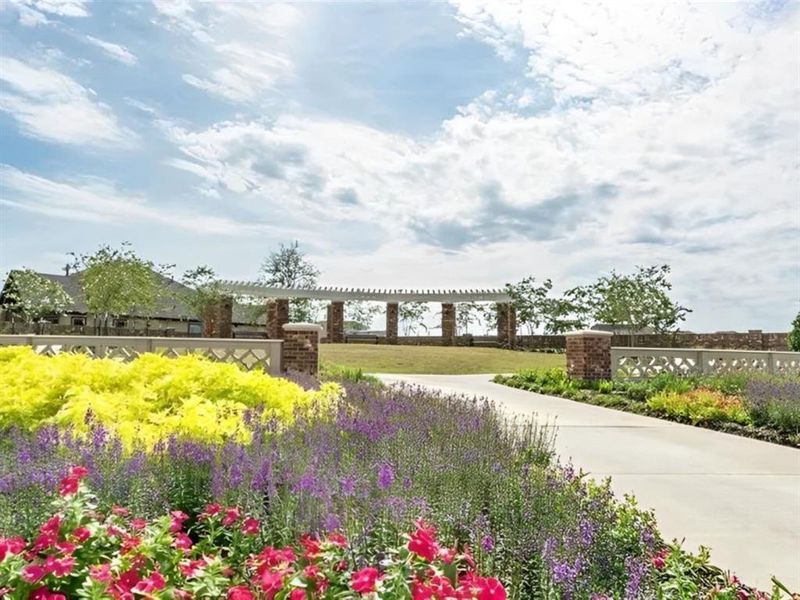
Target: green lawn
<point x="372" y="358"/>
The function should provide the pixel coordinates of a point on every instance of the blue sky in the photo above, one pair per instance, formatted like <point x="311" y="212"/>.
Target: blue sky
<point x="413" y="144"/>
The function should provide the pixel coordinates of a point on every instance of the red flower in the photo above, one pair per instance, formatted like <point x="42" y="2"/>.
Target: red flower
<point x="337" y="539"/>
<point x="312" y="547"/>
<point x="250" y="526"/>
<point x="365" y="580"/>
<point x="298" y="594"/>
<point x="659" y="560"/>
<point x="210" y="511"/>
<point x="43" y="593"/>
<point x="81" y="534"/>
<point x="11" y="546"/>
<point x="120" y="511"/>
<point x="423" y="542"/>
<point x="271" y="583"/>
<point x="69" y="485"/>
<point x="33" y="573"/>
<point x="232" y="515"/>
<point x="138" y="524"/>
<point x="60" y="567"/>
<point x="240" y="592"/>
<point x="151" y="584"/>
<point x="101" y="573"/>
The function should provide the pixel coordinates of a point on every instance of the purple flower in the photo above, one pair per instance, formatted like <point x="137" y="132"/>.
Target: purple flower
<point x="385" y="476"/>
<point x="487" y="543"/>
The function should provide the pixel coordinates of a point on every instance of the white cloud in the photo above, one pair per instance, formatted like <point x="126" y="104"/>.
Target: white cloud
<point x="240" y="70"/>
<point x="51" y="106"/>
<point x="35" y="12"/>
<point x="98" y="201"/>
<point x="115" y="51"/>
<point x="703" y="177"/>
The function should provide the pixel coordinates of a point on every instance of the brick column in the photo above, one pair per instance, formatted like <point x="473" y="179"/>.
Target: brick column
<point x="589" y="354"/>
<point x="392" y="315"/>
<point x="218" y="318"/>
<point x="506" y="324"/>
<point x="300" y="351"/>
<point x="277" y="317"/>
<point x="448" y="323"/>
<point x="336" y="322"/>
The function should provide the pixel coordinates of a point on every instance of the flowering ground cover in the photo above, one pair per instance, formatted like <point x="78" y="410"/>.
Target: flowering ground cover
<point x="755" y="405"/>
<point x="366" y="465"/>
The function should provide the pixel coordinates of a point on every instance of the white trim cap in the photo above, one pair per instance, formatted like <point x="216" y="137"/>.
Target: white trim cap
<point x="589" y="333"/>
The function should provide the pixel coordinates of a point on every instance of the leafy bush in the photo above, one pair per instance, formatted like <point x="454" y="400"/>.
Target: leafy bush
<point x="333" y="372"/>
<point x="147" y="399"/>
<point x="774" y="402"/>
<point x="700" y="406"/>
<point x="794" y="334"/>
<point x="385" y="457"/>
<point x="223" y="553"/>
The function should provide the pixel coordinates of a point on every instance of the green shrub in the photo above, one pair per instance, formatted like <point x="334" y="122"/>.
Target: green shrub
<point x="332" y="372"/>
<point x="700" y="406"/>
<point x="794" y="334"/>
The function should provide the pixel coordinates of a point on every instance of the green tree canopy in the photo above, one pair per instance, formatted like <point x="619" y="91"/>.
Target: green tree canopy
<point x="116" y="281"/>
<point x="794" y="334"/>
<point x="634" y="302"/>
<point x="412" y="316"/>
<point x="33" y="297"/>
<point x="204" y="289"/>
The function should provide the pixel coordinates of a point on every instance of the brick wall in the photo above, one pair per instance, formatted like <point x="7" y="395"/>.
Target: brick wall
<point x="448" y="324"/>
<point x="301" y="348"/>
<point x="218" y="318"/>
<point x="335" y="322"/>
<point x="277" y="317"/>
<point x="589" y="355"/>
<point x="392" y="318"/>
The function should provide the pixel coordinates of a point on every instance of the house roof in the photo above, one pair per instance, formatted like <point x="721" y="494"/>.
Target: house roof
<point x="170" y="305"/>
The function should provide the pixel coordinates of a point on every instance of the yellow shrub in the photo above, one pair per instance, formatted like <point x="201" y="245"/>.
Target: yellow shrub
<point x="701" y="405"/>
<point x="149" y="398"/>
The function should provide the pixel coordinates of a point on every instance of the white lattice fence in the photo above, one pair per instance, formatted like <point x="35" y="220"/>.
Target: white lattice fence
<point x="640" y="363"/>
<point x="248" y="354"/>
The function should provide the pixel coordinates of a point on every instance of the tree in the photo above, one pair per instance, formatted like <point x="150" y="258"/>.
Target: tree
<point x="794" y="334"/>
<point x="288" y="267"/>
<point x="34" y="297"/>
<point x="530" y="301"/>
<point x="467" y="314"/>
<point x="634" y="302"/>
<point x="204" y="287"/>
<point x="116" y="281"/>
<point x="561" y="315"/>
<point x="412" y="315"/>
<point x="359" y="314"/>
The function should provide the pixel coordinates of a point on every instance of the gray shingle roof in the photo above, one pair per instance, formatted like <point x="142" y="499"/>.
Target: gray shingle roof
<point x="169" y="306"/>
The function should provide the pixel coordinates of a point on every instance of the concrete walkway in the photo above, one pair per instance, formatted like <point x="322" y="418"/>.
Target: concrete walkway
<point x="738" y="496"/>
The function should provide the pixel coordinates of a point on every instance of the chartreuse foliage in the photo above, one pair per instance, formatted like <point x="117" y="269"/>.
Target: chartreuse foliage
<point x="148" y="399"/>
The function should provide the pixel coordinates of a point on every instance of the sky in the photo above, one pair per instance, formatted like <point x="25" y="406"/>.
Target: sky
<point x="413" y="144"/>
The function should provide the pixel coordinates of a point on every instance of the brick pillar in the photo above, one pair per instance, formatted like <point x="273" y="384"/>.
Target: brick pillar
<point x="755" y="339"/>
<point x="589" y="354"/>
<point x="336" y="322"/>
<point x="218" y="318"/>
<point x="300" y="351"/>
<point x="448" y="323"/>
<point x="392" y="315"/>
<point x="277" y="317"/>
<point x="506" y="324"/>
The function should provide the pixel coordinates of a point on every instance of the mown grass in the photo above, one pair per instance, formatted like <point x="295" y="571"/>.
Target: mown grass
<point x="435" y="360"/>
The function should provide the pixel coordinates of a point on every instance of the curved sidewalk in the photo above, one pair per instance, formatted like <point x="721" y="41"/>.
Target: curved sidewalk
<point x="740" y="497"/>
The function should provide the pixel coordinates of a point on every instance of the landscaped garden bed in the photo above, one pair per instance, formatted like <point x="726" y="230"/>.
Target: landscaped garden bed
<point x="295" y="490"/>
<point x="754" y="405"/>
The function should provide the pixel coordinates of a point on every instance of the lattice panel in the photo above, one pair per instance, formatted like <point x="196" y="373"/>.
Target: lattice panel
<point x="721" y="364"/>
<point x="641" y="366"/>
<point x="787" y="366"/>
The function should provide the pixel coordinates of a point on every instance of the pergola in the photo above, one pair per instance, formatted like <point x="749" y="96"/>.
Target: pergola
<point x="277" y="299"/>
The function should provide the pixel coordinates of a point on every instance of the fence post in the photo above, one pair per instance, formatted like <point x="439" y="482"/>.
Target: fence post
<point x="589" y="354"/>
<point x="700" y="362"/>
<point x="771" y="363"/>
<point x="275" y="353"/>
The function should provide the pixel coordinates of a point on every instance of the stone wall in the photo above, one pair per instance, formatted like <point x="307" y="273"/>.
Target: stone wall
<point x="448" y="324"/>
<point x="335" y="323"/>
<point x="301" y="348"/>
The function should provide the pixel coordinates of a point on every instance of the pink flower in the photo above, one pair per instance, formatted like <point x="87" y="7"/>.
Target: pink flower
<point x="297" y="594"/>
<point x="232" y="515"/>
<point x="138" y="524"/>
<point x="101" y="573"/>
<point x="659" y="560"/>
<point x="178" y="518"/>
<point x="11" y="546"/>
<point x="337" y="539"/>
<point x="151" y="584"/>
<point x="43" y="593"/>
<point x="365" y="580"/>
<point x="251" y="526"/>
<point x="60" y="567"/>
<point x="210" y="511"/>
<point x="33" y="573"/>
<point x="182" y="541"/>
<point x="240" y="592"/>
<point x="120" y="511"/>
<point x="69" y="485"/>
<point x="271" y="583"/>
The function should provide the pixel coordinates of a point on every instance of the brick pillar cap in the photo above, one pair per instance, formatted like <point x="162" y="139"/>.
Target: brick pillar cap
<point x="589" y="333"/>
<point x="302" y="327"/>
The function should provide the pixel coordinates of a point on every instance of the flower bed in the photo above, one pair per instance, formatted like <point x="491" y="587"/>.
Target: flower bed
<point x="147" y="399"/>
<point x="379" y="460"/>
<point x="759" y="406"/>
